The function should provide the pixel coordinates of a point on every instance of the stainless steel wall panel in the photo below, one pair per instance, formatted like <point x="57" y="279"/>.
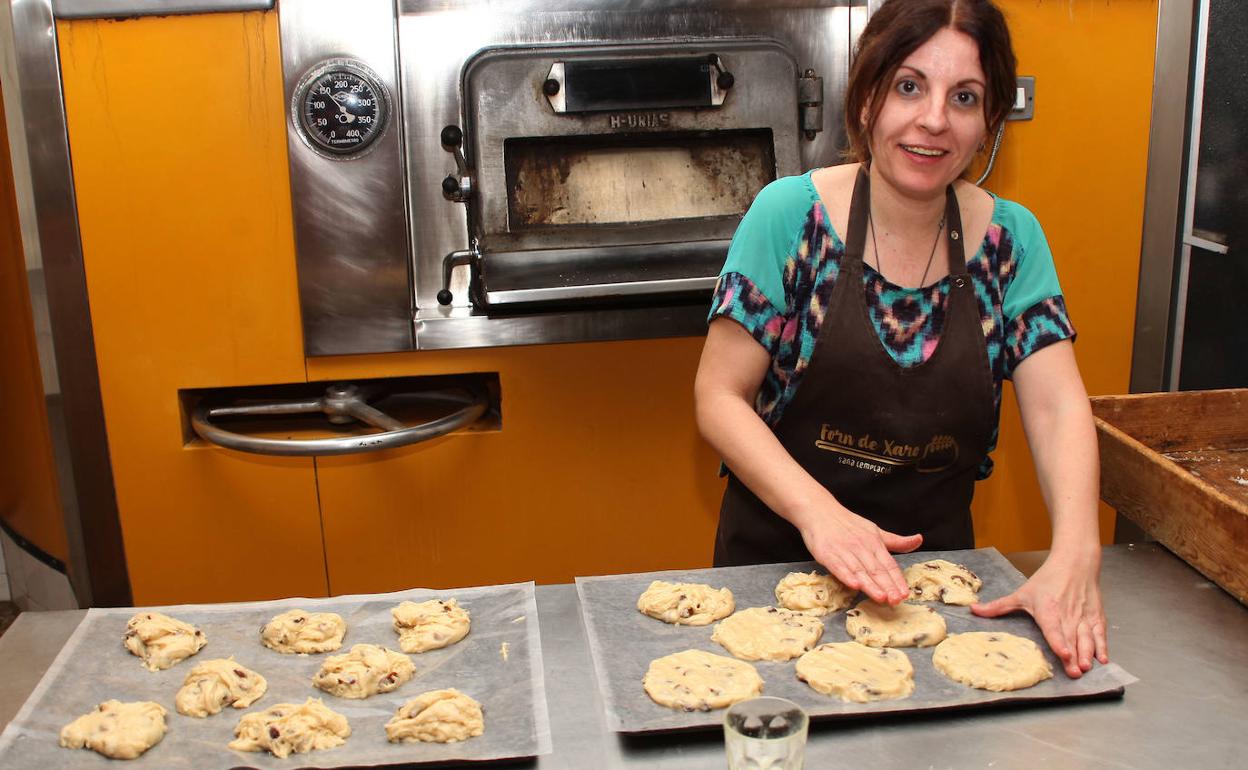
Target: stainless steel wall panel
<point x="1162" y="201"/>
<point x="350" y="225"/>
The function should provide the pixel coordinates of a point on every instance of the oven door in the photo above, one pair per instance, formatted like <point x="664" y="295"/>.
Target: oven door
<point x="615" y="173"/>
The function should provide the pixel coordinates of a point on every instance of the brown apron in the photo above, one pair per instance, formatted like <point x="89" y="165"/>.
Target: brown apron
<point x="897" y="445"/>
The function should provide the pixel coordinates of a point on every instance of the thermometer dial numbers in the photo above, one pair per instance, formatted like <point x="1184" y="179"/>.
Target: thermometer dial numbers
<point x="340" y="109"/>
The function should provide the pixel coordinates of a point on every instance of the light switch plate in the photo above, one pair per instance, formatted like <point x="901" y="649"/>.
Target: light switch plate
<point x="1025" y="100"/>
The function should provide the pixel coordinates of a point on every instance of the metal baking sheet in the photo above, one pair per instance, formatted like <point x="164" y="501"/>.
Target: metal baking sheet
<point x="94" y="667"/>
<point x="623" y="641"/>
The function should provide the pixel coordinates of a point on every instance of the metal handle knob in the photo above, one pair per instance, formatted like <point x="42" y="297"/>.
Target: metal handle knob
<point x="451" y="261"/>
<point x="452" y="136"/>
<point x="341" y="404"/>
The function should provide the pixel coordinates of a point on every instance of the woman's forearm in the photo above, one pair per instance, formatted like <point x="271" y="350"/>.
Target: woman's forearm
<point x="754" y="454"/>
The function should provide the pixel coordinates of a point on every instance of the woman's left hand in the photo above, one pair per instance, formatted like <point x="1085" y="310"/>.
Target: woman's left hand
<point x="1064" y="598"/>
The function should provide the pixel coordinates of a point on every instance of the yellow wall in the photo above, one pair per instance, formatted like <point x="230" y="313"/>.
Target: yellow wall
<point x="29" y="502"/>
<point x="1080" y="165"/>
<point x="177" y="136"/>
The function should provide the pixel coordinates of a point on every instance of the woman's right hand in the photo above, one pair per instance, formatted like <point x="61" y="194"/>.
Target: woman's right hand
<point x="857" y="553"/>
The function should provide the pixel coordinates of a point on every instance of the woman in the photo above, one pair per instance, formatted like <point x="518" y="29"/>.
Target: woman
<point x="852" y="385"/>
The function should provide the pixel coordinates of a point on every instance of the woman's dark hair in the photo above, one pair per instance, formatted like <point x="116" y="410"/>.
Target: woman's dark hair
<point x="899" y="28"/>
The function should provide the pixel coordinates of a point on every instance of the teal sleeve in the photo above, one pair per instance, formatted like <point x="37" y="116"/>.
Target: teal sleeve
<point x="1035" y="277"/>
<point x="767" y="235"/>
<point x="1034" y="310"/>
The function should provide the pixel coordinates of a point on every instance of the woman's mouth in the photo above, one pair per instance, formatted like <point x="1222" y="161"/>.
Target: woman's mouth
<point x="926" y="152"/>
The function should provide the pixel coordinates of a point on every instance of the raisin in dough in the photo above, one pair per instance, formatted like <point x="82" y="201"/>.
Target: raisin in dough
<point x="302" y="632"/>
<point x="813" y="594"/>
<point x="943" y="581"/>
<point x="991" y="661"/>
<point x="686" y="604"/>
<point x="117" y="730"/>
<point x="162" y="641"/>
<point x="767" y="633"/>
<point x="695" y="680"/>
<point x="430" y="625"/>
<point x="906" y="625"/>
<point x="366" y="670"/>
<point x="214" y="684"/>
<point x="290" y="728"/>
<point x="437" y="716"/>
<point x="855" y="672"/>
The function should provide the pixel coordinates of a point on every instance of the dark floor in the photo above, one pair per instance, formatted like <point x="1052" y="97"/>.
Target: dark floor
<point x="8" y="614"/>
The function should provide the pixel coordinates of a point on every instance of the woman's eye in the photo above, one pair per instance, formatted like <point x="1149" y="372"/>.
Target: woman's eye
<point x="966" y="98"/>
<point x="907" y="87"/>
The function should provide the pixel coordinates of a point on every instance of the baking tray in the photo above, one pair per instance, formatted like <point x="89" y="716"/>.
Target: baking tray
<point x="622" y="642"/>
<point x="94" y="666"/>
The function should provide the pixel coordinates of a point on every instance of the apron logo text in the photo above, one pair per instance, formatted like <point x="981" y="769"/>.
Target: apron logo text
<point x="882" y="455"/>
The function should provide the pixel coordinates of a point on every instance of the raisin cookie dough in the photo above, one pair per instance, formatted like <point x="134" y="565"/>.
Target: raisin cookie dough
<point x="991" y="660"/>
<point x="437" y="716"/>
<point x="430" y="625"/>
<point x="117" y="730"/>
<point x="906" y="625"/>
<point x="855" y="672"/>
<point x="943" y="581"/>
<point x="214" y="684"/>
<point x="366" y="670"/>
<point x="162" y="641"/>
<point x="767" y="633"/>
<point x="813" y="594"/>
<point x="695" y="680"/>
<point x="685" y="604"/>
<point x="299" y="632"/>
<point x="290" y="728"/>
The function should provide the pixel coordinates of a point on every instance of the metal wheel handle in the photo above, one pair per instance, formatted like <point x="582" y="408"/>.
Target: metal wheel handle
<point x="342" y="404"/>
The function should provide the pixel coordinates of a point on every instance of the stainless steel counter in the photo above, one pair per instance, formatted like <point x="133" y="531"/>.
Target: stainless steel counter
<point x="1180" y="634"/>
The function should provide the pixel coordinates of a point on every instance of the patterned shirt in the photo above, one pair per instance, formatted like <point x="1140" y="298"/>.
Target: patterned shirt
<point x="784" y="261"/>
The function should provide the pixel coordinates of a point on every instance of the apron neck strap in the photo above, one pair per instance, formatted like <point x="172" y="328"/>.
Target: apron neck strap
<point x="860" y="206"/>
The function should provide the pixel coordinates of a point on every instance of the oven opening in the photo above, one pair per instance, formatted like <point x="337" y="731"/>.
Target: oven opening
<point x="619" y="179"/>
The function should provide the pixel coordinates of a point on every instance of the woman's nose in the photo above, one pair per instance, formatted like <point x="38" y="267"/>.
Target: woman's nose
<point x="934" y="118"/>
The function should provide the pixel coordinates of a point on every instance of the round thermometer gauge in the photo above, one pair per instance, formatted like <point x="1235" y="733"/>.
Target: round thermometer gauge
<point x="340" y="108"/>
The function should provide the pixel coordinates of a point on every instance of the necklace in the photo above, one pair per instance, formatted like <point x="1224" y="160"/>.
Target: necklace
<point x="939" y="229"/>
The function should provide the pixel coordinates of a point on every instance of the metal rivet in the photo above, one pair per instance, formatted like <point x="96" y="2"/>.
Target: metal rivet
<point x="959" y="282"/>
<point x="953" y="234"/>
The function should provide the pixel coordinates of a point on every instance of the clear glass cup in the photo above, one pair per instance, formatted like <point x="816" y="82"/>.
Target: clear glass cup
<point x="765" y="734"/>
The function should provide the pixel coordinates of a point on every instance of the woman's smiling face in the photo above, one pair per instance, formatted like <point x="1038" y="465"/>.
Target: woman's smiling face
<point x="932" y="121"/>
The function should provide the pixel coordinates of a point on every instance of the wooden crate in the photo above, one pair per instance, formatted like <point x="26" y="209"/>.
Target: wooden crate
<point x="1177" y="465"/>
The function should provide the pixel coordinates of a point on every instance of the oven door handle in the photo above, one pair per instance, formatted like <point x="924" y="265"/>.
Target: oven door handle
<point x="342" y="404"/>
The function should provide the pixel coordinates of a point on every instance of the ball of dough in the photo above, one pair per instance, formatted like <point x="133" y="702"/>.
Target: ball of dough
<point x="366" y="670"/>
<point x="688" y="604"/>
<point x="214" y="684"/>
<point x="290" y="728"/>
<point x="695" y="680"/>
<point x="991" y="660"/>
<point x="162" y="641"/>
<point x="813" y="594"/>
<point x="906" y="625"/>
<point x="430" y="625"/>
<point x="854" y="672"/>
<point x="944" y="581"/>
<point x="296" y="631"/>
<point x="767" y="633"/>
<point x="437" y="716"/>
<point x="117" y="730"/>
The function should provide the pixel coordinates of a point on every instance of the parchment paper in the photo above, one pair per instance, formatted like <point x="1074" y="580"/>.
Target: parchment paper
<point x="623" y="642"/>
<point x="94" y="667"/>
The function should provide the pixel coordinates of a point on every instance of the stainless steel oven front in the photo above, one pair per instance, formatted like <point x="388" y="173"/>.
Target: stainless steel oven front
<point x="480" y="173"/>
